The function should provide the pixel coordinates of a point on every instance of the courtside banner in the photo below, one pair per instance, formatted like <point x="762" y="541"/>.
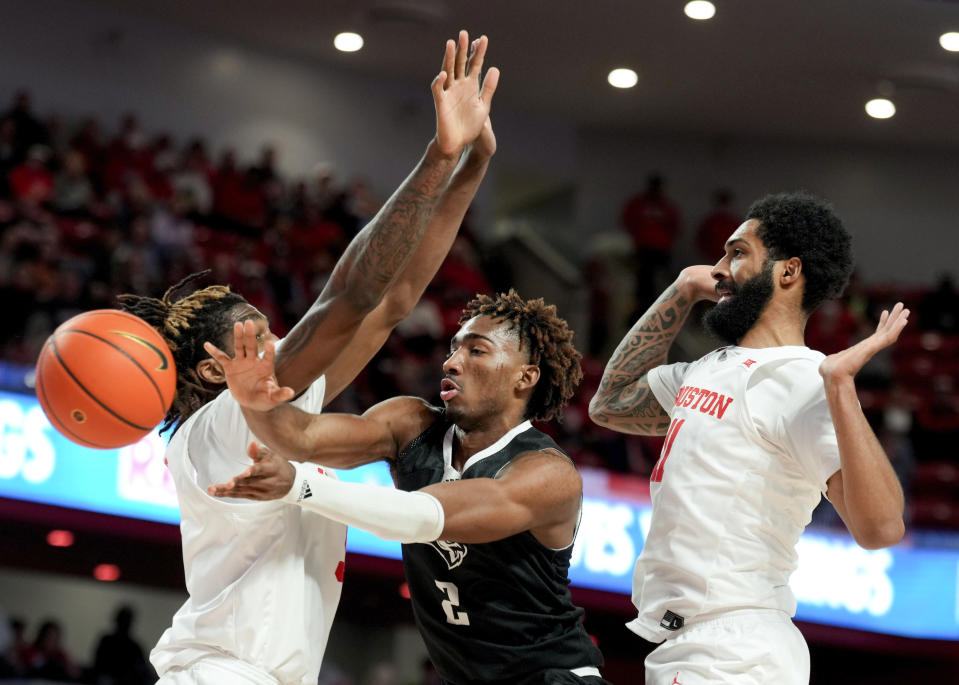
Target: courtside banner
<point x="910" y="590"/>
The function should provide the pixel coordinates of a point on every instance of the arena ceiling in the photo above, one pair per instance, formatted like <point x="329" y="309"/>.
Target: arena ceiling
<point x="759" y="68"/>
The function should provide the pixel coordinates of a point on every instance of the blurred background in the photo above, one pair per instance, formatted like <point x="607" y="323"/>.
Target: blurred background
<point x="142" y="140"/>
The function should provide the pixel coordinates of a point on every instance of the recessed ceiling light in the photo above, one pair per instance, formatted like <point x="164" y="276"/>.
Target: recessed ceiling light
<point x="700" y="9"/>
<point x="622" y="78"/>
<point x="60" y="538"/>
<point x="348" y="41"/>
<point x="950" y="41"/>
<point x="880" y="108"/>
<point x="106" y="572"/>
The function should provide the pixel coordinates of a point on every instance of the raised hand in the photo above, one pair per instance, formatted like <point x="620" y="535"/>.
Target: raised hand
<point x="270" y="477"/>
<point x="697" y="283"/>
<point x="847" y="363"/>
<point x="250" y="377"/>
<point x="462" y="105"/>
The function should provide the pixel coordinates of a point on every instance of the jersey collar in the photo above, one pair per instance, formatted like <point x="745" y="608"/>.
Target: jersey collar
<point x="450" y="473"/>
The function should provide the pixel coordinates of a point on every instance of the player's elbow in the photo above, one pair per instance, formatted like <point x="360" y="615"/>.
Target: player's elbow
<point x="598" y="413"/>
<point x="878" y="536"/>
<point x="398" y="303"/>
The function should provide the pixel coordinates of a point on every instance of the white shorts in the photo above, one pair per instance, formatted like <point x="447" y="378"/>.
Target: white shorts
<point x="741" y="647"/>
<point x="217" y="670"/>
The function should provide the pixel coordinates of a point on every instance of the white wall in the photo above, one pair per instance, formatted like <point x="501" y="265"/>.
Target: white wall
<point x="900" y="204"/>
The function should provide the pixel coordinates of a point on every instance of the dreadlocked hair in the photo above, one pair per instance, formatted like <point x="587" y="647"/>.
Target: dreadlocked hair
<point x="185" y="323"/>
<point x="549" y="342"/>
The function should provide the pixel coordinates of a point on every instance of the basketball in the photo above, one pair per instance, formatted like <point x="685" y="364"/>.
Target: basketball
<point x="105" y="378"/>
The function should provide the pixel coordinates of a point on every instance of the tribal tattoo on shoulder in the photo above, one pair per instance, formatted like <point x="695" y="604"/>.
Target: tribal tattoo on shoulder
<point x="624" y="399"/>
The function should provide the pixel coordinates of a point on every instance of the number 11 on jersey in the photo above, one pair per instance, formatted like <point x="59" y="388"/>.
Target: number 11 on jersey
<point x="657" y="475"/>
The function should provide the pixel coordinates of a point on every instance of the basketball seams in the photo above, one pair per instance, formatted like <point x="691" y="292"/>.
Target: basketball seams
<point x="56" y="353"/>
<point x="119" y="349"/>
<point x="48" y="410"/>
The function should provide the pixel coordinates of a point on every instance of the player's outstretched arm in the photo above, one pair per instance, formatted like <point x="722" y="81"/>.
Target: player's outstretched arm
<point x="444" y="224"/>
<point x="539" y="492"/>
<point x="624" y="401"/>
<point x="384" y="247"/>
<point x="336" y="440"/>
<point x="865" y="491"/>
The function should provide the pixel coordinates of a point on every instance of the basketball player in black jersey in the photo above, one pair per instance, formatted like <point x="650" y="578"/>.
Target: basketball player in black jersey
<point x="487" y="506"/>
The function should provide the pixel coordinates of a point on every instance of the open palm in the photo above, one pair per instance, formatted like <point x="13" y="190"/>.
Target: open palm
<point x="849" y="361"/>
<point x="462" y="105"/>
<point x="251" y="377"/>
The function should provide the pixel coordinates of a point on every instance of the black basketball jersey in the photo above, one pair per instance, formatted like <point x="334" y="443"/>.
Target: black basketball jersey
<point x="498" y="612"/>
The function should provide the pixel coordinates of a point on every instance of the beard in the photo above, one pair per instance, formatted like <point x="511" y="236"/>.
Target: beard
<point x="729" y="321"/>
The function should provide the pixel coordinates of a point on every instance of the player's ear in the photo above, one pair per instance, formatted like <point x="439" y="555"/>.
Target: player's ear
<point x="792" y="268"/>
<point x="529" y="375"/>
<point x="209" y="370"/>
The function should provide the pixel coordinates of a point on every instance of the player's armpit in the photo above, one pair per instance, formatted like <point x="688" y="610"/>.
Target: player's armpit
<point x="539" y="491"/>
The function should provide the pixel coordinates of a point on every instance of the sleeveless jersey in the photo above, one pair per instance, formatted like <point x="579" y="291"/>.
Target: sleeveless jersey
<point x="746" y="458"/>
<point x="264" y="578"/>
<point x="497" y="612"/>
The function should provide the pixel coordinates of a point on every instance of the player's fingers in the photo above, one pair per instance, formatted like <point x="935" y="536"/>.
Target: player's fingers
<point x="284" y="394"/>
<point x="489" y="85"/>
<point x="478" y="53"/>
<point x="437" y="85"/>
<point x="269" y="351"/>
<point x="462" y="50"/>
<point x="215" y="352"/>
<point x="248" y="339"/>
<point x="449" y="56"/>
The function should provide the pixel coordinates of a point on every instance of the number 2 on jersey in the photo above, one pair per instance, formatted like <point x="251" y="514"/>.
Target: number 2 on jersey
<point x="451" y="603"/>
<point x="657" y="475"/>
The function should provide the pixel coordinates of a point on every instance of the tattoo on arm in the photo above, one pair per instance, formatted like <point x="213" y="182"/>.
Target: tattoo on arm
<point x="379" y="253"/>
<point x="624" y="399"/>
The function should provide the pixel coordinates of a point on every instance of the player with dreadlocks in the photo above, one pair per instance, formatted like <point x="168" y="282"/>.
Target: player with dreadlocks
<point x="487" y="506"/>
<point x="264" y="578"/>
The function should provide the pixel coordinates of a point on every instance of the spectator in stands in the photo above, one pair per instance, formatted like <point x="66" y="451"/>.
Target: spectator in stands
<point x="832" y="328"/>
<point x="30" y="131"/>
<point x="652" y="221"/>
<point x="31" y="181"/>
<point x="193" y="179"/>
<point x="939" y="309"/>
<point x="8" y="153"/>
<point x="48" y="658"/>
<point x="119" y="658"/>
<point x="72" y="189"/>
<point x="938" y="419"/>
<point x="89" y="143"/>
<point x="717" y="226"/>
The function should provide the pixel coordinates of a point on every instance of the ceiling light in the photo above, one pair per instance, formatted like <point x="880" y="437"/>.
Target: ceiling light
<point x="106" y="572"/>
<point x="60" y="538"/>
<point x="348" y="41"/>
<point x="700" y="9"/>
<point x="950" y="41"/>
<point x="622" y="78"/>
<point x="880" y="108"/>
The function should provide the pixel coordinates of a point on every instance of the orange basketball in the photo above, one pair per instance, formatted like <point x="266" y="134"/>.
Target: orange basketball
<point x="105" y="378"/>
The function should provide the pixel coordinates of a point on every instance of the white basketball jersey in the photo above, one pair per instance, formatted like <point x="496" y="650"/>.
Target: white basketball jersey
<point x="264" y="578"/>
<point x="746" y="458"/>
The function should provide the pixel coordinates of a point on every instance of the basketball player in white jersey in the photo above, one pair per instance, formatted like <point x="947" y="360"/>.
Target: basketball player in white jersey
<point x="755" y="433"/>
<point x="264" y="578"/>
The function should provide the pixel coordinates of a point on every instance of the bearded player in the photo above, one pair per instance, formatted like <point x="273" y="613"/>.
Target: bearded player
<point x="756" y="432"/>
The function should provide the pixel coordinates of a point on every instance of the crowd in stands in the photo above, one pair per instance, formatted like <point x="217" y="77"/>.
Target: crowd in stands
<point x="86" y="215"/>
<point x="118" y="658"/>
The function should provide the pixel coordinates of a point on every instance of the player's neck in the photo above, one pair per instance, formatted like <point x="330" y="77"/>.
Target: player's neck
<point x="467" y="441"/>
<point x="777" y="326"/>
